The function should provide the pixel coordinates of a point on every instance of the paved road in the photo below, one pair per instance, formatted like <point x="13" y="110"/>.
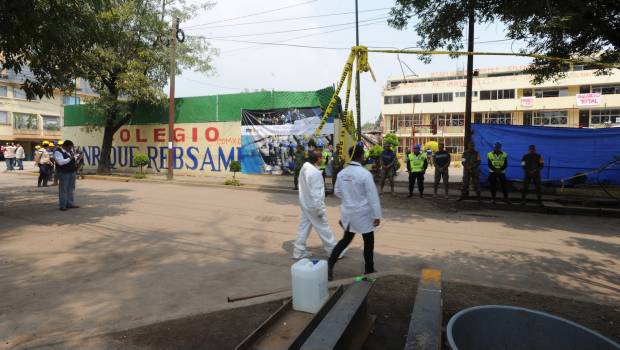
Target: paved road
<point x="136" y="253"/>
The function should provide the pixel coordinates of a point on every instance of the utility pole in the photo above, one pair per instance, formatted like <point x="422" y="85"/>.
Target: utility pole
<point x="173" y="67"/>
<point x="358" y="106"/>
<point x="470" y="71"/>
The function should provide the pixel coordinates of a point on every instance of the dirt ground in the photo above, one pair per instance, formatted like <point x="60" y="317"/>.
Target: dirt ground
<point x="391" y="300"/>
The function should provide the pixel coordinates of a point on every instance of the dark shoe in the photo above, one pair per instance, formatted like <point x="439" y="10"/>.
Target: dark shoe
<point x="73" y="206"/>
<point x="421" y="195"/>
<point x="63" y="209"/>
<point x="410" y="195"/>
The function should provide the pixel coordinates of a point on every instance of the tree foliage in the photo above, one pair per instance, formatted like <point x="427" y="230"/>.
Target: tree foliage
<point x="129" y="64"/>
<point x="48" y="36"/>
<point x="557" y="28"/>
<point x="391" y="139"/>
<point x="235" y="167"/>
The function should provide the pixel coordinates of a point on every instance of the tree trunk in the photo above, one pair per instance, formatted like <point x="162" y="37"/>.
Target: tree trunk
<point x="106" y="148"/>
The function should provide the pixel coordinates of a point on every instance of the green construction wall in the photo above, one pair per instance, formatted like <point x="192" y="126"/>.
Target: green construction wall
<point x="212" y="108"/>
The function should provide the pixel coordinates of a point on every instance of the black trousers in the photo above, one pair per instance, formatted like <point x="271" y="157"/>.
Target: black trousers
<point x="44" y="174"/>
<point x="493" y="179"/>
<point x="369" y="249"/>
<point x="526" y="185"/>
<point x="419" y="176"/>
<point x="296" y="177"/>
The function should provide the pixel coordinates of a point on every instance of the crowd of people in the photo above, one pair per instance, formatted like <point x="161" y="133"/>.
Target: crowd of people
<point x="418" y="161"/>
<point x="14" y="156"/>
<point x="360" y="209"/>
<point x="58" y="162"/>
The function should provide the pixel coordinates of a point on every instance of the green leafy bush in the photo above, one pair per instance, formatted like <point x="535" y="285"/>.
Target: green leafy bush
<point x="391" y="139"/>
<point x="235" y="167"/>
<point x="232" y="182"/>
<point x="141" y="160"/>
<point x="375" y="151"/>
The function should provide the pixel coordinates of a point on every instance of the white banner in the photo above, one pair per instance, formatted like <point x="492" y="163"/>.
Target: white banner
<point x="527" y="101"/>
<point x="590" y="99"/>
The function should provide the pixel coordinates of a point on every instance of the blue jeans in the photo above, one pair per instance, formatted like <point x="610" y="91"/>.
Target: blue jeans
<point x="20" y="164"/>
<point x="9" y="163"/>
<point x="66" y="186"/>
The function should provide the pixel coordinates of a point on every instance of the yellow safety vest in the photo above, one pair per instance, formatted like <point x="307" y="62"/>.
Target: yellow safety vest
<point x="497" y="160"/>
<point x="416" y="162"/>
<point x="326" y="155"/>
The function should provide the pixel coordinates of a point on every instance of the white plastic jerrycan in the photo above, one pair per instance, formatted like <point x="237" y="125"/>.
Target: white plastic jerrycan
<point x="309" y="285"/>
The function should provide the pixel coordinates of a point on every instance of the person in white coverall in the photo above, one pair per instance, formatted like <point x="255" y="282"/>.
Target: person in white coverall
<point x="312" y="202"/>
<point x="360" y="211"/>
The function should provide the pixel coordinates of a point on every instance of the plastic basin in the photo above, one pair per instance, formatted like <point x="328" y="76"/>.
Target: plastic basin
<point x="500" y="327"/>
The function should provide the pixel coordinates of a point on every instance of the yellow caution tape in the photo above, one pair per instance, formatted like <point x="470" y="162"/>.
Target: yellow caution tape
<point x="362" y="60"/>
<point x="348" y="67"/>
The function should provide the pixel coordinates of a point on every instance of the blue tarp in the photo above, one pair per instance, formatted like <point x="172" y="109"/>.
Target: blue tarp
<point x="566" y="151"/>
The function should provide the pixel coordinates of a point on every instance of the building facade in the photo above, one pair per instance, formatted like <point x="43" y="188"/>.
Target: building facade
<point x="30" y="122"/>
<point x="432" y="108"/>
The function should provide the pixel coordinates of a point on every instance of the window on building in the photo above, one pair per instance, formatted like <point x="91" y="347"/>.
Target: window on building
<point x="417" y="98"/>
<point x="68" y="100"/>
<point x="408" y="99"/>
<point x="578" y="67"/>
<point x="25" y="121"/>
<point x="19" y="93"/>
<point x="389" y="100"/>
<point x="584" y="89"/>
<point x="497" y="94"/>
<point x="427" y="98"/>
<point x="550" y="118"/>
<point x="51" y="123"/>
<point x="451" y="119"/>
<point x="527" y="92"/>
<point x="4" y="117"/>
<point x="607" y="90"/>
<point x="3" y="91"/>
<point x="503" y="118"/>
<point x="527" y="118"/>
<point x="602" y="116"/>
<point x="551" y="92"/>
<point x="478" y="118"/>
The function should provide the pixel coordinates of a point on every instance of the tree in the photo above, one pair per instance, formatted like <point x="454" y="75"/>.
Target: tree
<point x="141" y="160"/>
<point x="235" y="167"/>
<point x="129" y="64"/>
<point x="557" y="28"/>
<point x="49" y="37"/>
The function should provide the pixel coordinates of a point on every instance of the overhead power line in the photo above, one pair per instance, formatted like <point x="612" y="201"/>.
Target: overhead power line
<point x="297" y="30"/>
<point x="255" y="14"/>
<point x="296" y="37"/>
<point x="207" y="26"/>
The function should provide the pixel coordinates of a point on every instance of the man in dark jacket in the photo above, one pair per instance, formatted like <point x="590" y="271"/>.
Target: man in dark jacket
<point x="471" y="171"/>
<point x="299" y="158"/>
<point x="532" y="164"/>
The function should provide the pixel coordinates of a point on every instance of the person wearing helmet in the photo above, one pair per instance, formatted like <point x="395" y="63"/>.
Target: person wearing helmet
<point x="417" y="168"/>
<point x="498" y="162"/>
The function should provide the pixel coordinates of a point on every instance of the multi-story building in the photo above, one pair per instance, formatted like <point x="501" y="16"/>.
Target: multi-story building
<point x="415" y="105"/>
<point x="30" y="122"/>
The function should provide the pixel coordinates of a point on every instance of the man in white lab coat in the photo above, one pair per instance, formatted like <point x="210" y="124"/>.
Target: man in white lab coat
<point x="360" y="211"/>
<point x="312" y="202"/>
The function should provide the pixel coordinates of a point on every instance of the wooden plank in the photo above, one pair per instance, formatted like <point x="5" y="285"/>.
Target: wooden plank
<point x="425" y="326"/>
<point x="342" y="325"/>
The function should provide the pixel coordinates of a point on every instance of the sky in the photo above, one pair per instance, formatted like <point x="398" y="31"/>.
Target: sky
<point x="241" y="65"/>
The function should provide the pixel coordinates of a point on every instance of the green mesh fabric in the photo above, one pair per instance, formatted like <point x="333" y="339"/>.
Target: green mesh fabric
<point x="212" y="108"/>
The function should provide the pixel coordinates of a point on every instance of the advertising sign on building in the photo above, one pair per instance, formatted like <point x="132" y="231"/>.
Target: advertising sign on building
<point x="527" y="101"/>
<point x="269" y="137"/>
<point x="590" y="99"/>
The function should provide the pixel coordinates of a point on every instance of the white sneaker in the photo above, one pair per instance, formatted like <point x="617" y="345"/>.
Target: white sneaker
<point x="303" y="255"/>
